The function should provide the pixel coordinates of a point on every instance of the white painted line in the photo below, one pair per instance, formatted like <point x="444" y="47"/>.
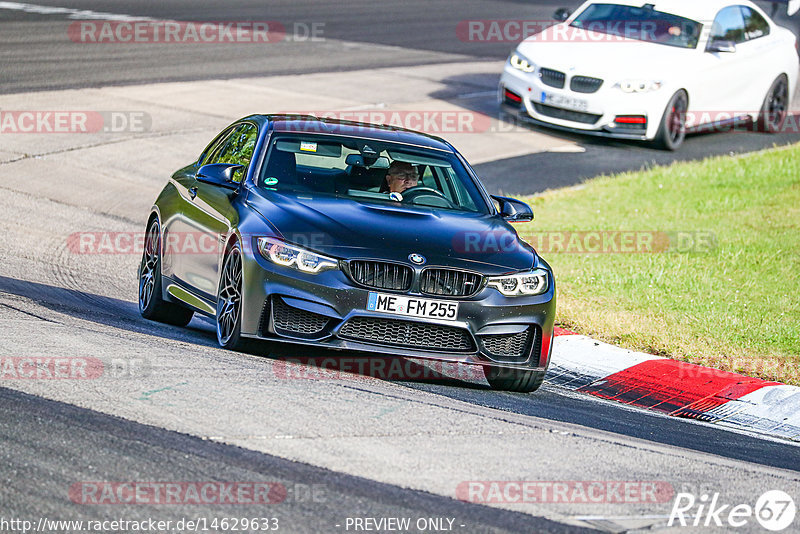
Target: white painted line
<point x="477" y="94"/>
<point x="567" y="149"/>
<point x="78" y="14"/>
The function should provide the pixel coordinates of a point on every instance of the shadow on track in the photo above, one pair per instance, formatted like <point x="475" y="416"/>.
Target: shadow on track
<point x="315" y="363"/>
<point x="556" y="404"/>
<point x="464" y="383"/>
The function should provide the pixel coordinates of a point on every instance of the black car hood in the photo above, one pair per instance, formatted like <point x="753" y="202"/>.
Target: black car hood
<point x="347" y="229"/>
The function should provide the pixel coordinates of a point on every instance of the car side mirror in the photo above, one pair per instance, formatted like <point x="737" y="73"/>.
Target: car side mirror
<point x="721" y="45"/>
<point x="562" y="14"/>
<point x="514" y="210"/>
<point x="220" y="174"/>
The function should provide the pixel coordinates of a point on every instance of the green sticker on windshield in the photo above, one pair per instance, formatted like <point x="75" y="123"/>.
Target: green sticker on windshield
<point x="270" y="181"/>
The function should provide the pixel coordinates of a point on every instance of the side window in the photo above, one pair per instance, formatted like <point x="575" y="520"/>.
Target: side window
<point x="427" y="179"/>
<point x="214" y="147"/>
<point x="456" y="191"/>
<point x="237" y="148"/>
<point x="755" y="25"/>
<point x="729" y="25"/>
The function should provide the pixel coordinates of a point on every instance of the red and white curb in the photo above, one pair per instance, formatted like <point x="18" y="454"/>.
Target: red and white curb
<point x="675" y="388"/>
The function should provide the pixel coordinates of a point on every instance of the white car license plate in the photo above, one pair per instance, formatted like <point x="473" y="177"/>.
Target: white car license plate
<point x="412" y="306"/>
<point x="566" y="102"/>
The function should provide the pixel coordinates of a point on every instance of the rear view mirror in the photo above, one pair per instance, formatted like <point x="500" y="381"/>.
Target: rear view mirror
<point x="358" y="160"/>
<point x="514" y="210"/>
<point x="220" y="174"/>
<point x="562" y="14"/>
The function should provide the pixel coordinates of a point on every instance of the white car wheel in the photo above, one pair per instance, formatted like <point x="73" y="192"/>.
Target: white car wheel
<point x="672" y="130"/>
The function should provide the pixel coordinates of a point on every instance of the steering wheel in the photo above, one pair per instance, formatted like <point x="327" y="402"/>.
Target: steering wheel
<point x="413" y="193"/>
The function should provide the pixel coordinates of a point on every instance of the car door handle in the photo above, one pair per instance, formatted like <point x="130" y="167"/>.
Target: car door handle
<point x="192" y="192"/>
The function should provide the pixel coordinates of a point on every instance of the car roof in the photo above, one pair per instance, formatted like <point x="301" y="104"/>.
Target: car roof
<point x="698" y="10"/>
<point x="292" y="123"/>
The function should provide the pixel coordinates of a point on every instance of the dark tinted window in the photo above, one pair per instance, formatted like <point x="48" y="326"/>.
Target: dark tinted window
<point x="313" y="165"/>
<point x="755" y="25"/>
<point x="640" y="23"/>
<point x="729" y="25"/>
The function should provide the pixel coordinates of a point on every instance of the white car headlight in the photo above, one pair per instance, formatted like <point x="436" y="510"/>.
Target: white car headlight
<point x="287" y="255"/>
<point x="639" y="86"/>
<point x="520" y="62"/>
<point x="533" y="282"/>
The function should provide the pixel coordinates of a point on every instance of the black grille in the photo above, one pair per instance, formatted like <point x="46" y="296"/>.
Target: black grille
<point x="512" y="345"/>
<point x="450" y="283"/>
<point x="381" y="275"/>
<point x="585" y="84"/>
<point x="407" y="334"/>
<point x="508" y="346"/>
<point x="289" y="320"/>
<point x="566" y="114"/>
<point x="553" y="78"/>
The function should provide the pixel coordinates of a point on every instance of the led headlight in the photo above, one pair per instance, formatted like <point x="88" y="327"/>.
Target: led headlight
<point x="533" y="282"/>
<point x="639" y="86"/>
<point x="520" y="62"/>
<point x="298" y="258"/>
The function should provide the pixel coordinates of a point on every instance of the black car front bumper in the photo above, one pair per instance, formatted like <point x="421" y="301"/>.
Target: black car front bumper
<point x="329" y="309"/>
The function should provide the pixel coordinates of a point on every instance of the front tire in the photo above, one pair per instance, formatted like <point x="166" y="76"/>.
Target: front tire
<point x="672" y="130"/>
<point x="775" y="107"/>
<point x="229" y="301"/>
<point x="517" y="380"/>
<point x="151" y="303"/>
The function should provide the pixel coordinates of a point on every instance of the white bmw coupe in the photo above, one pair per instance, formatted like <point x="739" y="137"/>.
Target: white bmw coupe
<point x="654" y="69"/>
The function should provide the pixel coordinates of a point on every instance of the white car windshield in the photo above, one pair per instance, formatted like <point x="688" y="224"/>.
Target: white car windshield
<point x="640" y="23"/>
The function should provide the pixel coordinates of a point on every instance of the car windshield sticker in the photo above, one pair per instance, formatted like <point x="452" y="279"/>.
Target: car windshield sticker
<point x="394" y="195"/>
<point x="270" y="181"/>
<point x="307" y="146"/>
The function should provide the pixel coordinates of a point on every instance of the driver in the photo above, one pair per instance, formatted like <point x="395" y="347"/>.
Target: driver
<point x="401" y="176"/>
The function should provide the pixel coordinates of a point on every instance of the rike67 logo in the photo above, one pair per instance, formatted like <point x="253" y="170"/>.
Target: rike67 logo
<point x="775" y="511"/>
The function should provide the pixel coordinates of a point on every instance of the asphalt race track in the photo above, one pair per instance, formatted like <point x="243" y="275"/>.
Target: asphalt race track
<point x="170" y="406"/>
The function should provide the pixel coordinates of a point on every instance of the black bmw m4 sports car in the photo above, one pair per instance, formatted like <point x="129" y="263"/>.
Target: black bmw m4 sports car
<point x="349" y="236"/>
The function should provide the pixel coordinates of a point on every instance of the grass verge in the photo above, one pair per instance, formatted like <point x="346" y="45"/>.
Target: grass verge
<point x="718" y="285"/>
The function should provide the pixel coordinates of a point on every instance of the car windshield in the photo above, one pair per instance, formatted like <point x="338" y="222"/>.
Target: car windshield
<point x="369" y="170"/>
<point x="640" y="23"/>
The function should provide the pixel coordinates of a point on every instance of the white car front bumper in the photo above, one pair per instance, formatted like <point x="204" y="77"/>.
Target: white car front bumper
<point x="608" y="111"/>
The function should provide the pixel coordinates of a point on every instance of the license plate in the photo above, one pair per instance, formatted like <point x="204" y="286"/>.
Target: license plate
<point x="563" y="101"/>
<point x="412" y="306"/>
